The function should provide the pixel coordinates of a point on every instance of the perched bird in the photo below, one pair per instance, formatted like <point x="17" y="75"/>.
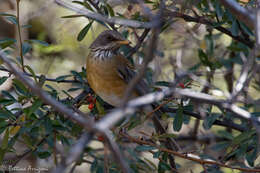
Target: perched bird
<point x="109" y="72"/>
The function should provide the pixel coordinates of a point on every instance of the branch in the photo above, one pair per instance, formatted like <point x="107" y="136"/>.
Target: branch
<point x="101" y="18"/>
<point x="244" y="78"/>
<point x="139" y="43"/>
<point x="75" y="152"/>
<point x="77" y="116"/>
<point x="19" y="34"/>
<point x="100" y="12"/>
<point x="87" y="123"/>
<point x="206" y="98"/>
<point x="204" y="21"/>
<point x="187" y="156"/>
<point x="229" y="124"/>
<point x="47" y="79"/>
<point x="241" y="13"/>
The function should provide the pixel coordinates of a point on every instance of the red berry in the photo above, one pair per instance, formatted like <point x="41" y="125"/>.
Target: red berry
<point x="181" y="85"/>
<point x="100" y="138"/>
<point x="89" y="99"/>
<point x="91" y="106"/>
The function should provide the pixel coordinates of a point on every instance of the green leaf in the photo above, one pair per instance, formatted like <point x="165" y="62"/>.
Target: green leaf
<point x="73" y="16"/>
<point x="234" y="28"/>
<point x="156" y="154"/>
<point x="7" y="94"/>
<point x="163" y="166"/>
<point x="41" y="80"/>
<point x="85" y="4"/>
<point x="3" y="79"/>
<point x="7" y="42"/>
<point x="250" y="157"/>
<point x="3" y="123"/>
<point x="36" y="104"/>
<point x="44" y="154"/>
<point x="7" y="14"/>
<point x="100" y="108"/>
<point x="220" y="146"/>
<point x="178" y="120"/>
<point x="144" y="148"/>
<point x="32" y="72"/>
<point x="104" y="9"/>
<point x="165" y="135"/>
<point x="225" y="134"/>
<point x="163" y="83"/>
<point x="148" y="2"/>
<point x="43" y="43"/>
<point x="61" y="78"/>
<point x="4" y="145"/>
<point x="243" y="136"/>
<point x="78" y="2"/>
<point x="28" y="141"/>
<point x="219" y="10"/>
<point x="77" y="75"/>
<point x="84" y="31"/>
<point x="12" y="19"/>
<point x="209" y="120"/>
<point x="6" y="114"/>
<point x="203" y="57"/>
<point x="110" y="10"/>
<point x="19" y="86"/>
<point x="26" y="26"/>
<point x="48" y="126"/>
<point x="73" y="89"/>
<point x="246" y="29"/>
<point x="26" y="48"/>
<point x="6" y="102"/>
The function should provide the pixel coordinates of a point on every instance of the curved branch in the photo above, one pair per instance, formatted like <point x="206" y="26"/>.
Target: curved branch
<point x="241" y="13"/>
<point x="112" y="20"/>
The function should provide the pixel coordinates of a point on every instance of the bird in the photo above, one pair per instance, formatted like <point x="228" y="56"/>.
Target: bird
<point x="108" y="71"/>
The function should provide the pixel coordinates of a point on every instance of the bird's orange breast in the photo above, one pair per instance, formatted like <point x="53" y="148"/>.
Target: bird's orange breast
<point x="104" y="79"/>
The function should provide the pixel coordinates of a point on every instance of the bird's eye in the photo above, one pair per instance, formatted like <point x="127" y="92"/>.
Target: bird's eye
<point x="110" y="38"/>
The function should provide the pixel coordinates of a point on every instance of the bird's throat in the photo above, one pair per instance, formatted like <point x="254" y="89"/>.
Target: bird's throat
<point x="103" y="54"/>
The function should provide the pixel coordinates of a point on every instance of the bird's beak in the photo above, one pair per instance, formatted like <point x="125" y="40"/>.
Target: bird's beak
<point x="123" y="42"/>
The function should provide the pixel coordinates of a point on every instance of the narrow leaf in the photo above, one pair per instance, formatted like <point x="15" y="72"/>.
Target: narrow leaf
<point x="12" y="19"/>
<point x="84" y="32"/>
<point x="26" y="48"/>
<point x="3" y="79"/>
<point x="43" y="43"/>
<point x="4" y="145"/>
<point x="32" y="72"/>
<point x="7" y="14"/>
<point x="73" y="16"/>
<point x="178" y="120"/>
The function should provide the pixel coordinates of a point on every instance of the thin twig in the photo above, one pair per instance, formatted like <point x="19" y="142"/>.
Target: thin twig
<point x="19" y="34"/>
<point x="139" y="43"/>
<point x="187" y="156"/>
<point x="47" y="79"/>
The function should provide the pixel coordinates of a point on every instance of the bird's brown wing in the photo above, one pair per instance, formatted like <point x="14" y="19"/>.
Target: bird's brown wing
<point x="126" y="71"/>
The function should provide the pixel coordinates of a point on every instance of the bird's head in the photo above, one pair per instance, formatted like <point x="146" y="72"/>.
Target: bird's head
<point x="109" y="40"/>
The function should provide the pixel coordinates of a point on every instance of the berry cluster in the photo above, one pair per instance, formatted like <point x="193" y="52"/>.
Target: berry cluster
<point x="91" y="101"/>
